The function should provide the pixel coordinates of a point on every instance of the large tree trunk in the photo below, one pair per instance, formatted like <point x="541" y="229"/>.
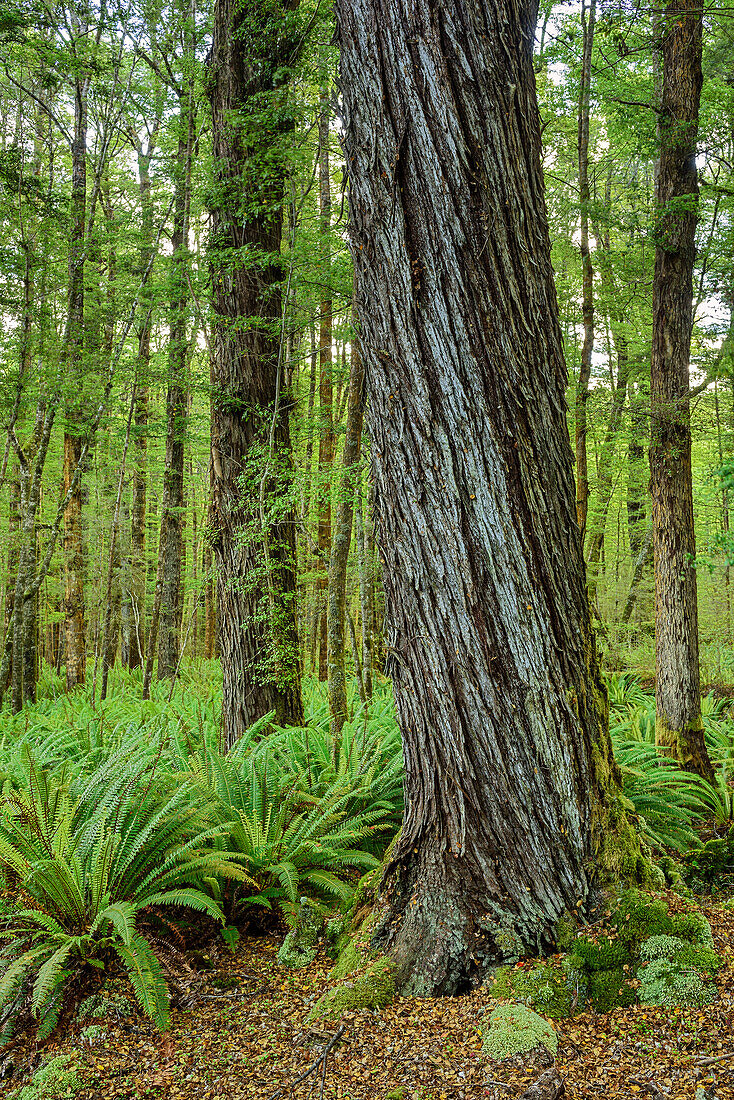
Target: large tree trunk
<point x="511" y="792"/>
<point x="254" y="544"/>
<point x="678" y="729"/>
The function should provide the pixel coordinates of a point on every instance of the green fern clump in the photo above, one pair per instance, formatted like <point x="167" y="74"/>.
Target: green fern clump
<point x="89" y="856"/>
<point x="289" y="842"/>
<point x="516" y="1029"/>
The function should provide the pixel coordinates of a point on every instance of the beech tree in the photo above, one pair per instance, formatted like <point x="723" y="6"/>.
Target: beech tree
<point x="678" y="727"/>
<point x="255" y="553"/>
<point x="511" y="791"/>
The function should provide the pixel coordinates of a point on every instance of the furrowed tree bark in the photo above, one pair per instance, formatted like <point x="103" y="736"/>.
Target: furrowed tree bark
<point x="588" y="22"/>
<point x="340" y="549"/>
<point x="256" y="581"/>
<point x="678" y="727"/>
<point x="512" y="809"/>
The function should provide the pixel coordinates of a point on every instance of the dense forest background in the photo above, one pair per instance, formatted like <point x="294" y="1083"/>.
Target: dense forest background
<point x="106" y="269"/>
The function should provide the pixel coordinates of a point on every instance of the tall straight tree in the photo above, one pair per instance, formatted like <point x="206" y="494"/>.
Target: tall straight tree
<point x="74" y="608"/>
<point x="253" y="46"/>
<point x="511" y="790"/>
<point x="327" y="441"/>
<point x="588" y="24"/>
<point x="172" y="505"/>
<point x="678" y="727"/>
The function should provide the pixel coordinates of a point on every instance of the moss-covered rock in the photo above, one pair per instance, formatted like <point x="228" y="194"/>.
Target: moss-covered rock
<point x="693" y="927"/>
<point x="373" y="988"/>
<point x="547" y="987"/>
<point x="57" y="1078"/>
<point x="516" y="1029"/>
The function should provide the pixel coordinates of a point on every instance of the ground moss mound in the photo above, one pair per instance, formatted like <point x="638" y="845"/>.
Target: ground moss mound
<point x="516" y="1029"/>
<point x="54" y="1080"/>
<point x="372" y="988"/>
<point x="546" y="987"/>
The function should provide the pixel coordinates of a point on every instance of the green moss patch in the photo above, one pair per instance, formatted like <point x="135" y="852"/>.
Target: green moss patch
<point x="546" y="987"/>
<point x="57" y="1078"/>
<point x="516" y="1029"/>
<point x="373" y="988"/>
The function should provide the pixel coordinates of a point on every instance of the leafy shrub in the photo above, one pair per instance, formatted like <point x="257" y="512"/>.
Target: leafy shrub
<point x="705" y="864"/>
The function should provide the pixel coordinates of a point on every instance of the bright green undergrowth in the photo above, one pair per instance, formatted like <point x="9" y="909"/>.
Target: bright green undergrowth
<point x="108" y="809"/>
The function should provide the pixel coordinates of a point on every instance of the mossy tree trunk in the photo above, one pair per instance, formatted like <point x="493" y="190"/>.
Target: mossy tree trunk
<point x="253" y="536"/>
<point x="678" y="727"/>
<point x="511" y="791"/>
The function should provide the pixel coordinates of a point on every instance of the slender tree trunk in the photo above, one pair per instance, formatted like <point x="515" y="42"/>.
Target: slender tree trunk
<point x="638" y="467"/>
<point x="588" y="22"/>
<point x="326" y="391"/>
<point x="138" y="566"/>
<point x="679" y="729"/>
<point x="605" y="480"/>
<point x="366" y="596"/>
<point x="493" y="659"/>
<point x="74" y="608"/>
<point x="641" y="561"/>
<point x="254" y="549"/>
<point x="340" y="550"/>
<point x="172" y="507"/>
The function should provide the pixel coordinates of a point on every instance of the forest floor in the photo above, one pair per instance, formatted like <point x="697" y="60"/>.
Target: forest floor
<point x="239" y="1031"/>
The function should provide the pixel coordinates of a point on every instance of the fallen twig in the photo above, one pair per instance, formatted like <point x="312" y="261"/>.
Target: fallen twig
<point x="712" y="1061"/>
<point x="320" y="1061"/>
